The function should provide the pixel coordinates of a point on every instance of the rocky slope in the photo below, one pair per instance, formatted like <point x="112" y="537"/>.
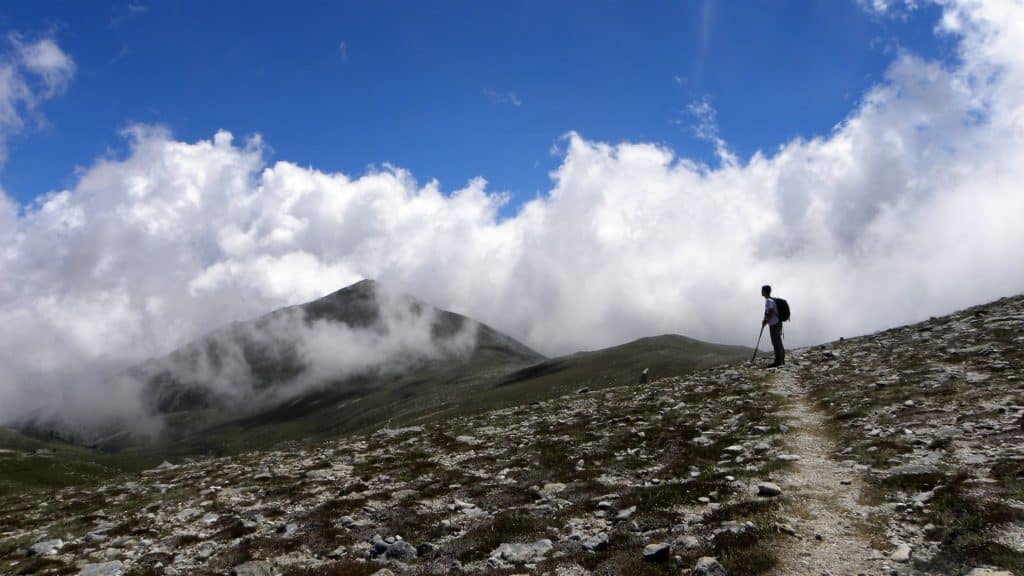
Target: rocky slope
<point x="935" y="413"/>
<point x="588" y="481"/>
<point x="895" y="453"/>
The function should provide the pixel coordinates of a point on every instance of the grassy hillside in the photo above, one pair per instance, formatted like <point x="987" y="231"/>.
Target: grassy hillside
<point x="442" y="392"/>
<point x="435" y="393"/>
<point x="497" y="372"/>
<point x="27" y="462"/>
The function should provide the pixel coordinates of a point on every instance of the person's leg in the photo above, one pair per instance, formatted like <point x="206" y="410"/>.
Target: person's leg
<point x="780" y="353"/>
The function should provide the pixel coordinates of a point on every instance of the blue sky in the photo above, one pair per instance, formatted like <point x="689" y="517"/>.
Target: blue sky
<point x="450" y="90"/>
<point x="892" y="130"/>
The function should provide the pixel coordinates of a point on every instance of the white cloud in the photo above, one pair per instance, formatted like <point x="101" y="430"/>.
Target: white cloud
<point x="503" y="97"/>
<point x="30" y="72"/>
<point x="909" y="208"/>
<point x="705" y="127"/>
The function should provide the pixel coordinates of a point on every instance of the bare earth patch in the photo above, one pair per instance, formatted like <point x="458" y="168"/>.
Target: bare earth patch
<point x="823" y="497"/>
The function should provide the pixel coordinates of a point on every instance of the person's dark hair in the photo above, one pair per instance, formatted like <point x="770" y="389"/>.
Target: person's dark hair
<point x="766" y="289"/>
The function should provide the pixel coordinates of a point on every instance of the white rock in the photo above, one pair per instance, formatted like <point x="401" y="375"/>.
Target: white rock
<point x="901" y="554"/>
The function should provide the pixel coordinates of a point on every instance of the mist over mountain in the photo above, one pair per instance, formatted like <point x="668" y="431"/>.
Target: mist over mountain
<point x="360" y="331"/>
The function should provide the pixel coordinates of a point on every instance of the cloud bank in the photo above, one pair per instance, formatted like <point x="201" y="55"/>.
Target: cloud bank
<point x="911" y="207"/>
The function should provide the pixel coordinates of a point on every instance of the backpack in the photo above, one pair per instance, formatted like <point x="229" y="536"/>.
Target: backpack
<point x="783" y="308"/>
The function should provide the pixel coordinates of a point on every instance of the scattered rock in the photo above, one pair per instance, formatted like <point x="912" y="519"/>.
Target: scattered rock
<point x="523" y="553"/>
<point x="46" y="547"/>
<point x="911" y="470"/>
<point x="708" y="566"/>
<point x="901" y="554"/>
<point x="253" y="568"/>
<point x="768" y="489"/>
<point x="624" y="514"/>
<point x="658" y="552"/>
<point x="104" y="569"/>
<point x="401" y="551"/>
<point x="597" y="542"/>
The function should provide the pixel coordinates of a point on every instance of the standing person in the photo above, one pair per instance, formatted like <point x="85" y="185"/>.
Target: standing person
<point x="774" y="323"/>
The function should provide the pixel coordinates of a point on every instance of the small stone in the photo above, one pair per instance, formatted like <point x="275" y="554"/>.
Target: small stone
<point x="625" y="514"/>
<point x="657" y="552"/>
<point x="188" y="514"/>
<point x="735" y="449"/>
<point x="787" y="458"/>
<point x="688" y="541"/>
<point x="401" y="551"/>
<point x="768" y="489"/>
<point x="597" y="542"/>
<point x="901" y="554"/>
<point x="104" y="569"/>
<point x="46" y="547"/>
<point x="550" y="490"/>
<point x="988" y="572"/>
<point x="253" y="568"/>
<point x="523" y="553"/>
<point x="708" y="566"/>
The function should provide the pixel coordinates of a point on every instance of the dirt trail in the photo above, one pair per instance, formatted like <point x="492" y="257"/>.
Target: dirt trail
<point x="823" y="496"/>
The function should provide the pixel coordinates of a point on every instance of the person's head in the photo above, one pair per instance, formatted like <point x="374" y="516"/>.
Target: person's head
<point x="766" y="290"/>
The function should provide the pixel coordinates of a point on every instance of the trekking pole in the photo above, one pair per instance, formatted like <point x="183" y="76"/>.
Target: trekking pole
<point x="752" y="358"/>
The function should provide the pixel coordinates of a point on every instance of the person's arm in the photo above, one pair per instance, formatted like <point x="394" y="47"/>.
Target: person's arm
<point x="769" y="311"/>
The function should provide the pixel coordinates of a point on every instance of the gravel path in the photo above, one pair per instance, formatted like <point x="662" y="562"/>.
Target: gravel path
<point x="823" y="495"/>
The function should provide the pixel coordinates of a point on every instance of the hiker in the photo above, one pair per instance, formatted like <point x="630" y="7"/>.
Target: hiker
<point x="774" y="323"/>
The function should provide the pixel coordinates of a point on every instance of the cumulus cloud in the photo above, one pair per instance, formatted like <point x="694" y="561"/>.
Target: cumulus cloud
<point x="910" y="207"/>
<point x="30" y="72"/>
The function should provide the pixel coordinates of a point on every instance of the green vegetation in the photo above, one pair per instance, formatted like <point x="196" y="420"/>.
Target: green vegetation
<point x="443" y="392"/>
